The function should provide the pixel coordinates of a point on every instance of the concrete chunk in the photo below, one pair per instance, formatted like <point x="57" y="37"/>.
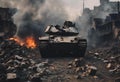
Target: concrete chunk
<point x="11" y="76"/>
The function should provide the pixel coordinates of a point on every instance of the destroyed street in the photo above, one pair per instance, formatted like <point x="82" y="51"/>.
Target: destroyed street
<point x="20" y="64"/>
<point x="39" y="43"/>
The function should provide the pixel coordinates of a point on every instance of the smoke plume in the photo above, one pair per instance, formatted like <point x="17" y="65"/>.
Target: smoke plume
<point x="33" y="15"/>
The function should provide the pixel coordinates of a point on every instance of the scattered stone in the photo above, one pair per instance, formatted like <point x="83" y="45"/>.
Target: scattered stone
<point x="18" y="57"/>
<point x="84" y="74"/>
<point x="2" y="73"/>
<point x="117" y="79"/>
<point x="36" y="79"/>
<point x="105" y="61"/>
<point x="69" y="67"/>
<point x="92" y="70"/>
<point x="95" y="77"/>
<point x="79" y="62"/>
<point x="78" y="69"/>
<point x="11" y="76"/>
<point x="96" y="54"/>
<point x="40" y="70"/>
<point x="108" y="65"/>
<point x="78" y="77"/>
<point x="32" y="61"/>
<point x="70" y="63"/>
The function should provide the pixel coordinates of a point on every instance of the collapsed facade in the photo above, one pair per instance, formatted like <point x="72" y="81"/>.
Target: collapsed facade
<point x="105" y="30"/>
<point x="7" y="27"/>
<point x="102" y="22"/>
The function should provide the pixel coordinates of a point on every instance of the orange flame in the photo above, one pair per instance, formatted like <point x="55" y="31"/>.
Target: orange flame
<point x="29" y="42"/>
<point x="17" y="40"/>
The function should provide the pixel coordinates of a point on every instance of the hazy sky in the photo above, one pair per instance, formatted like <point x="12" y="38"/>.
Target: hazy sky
<point x="76" y="6"/>
<point x="79" y="3"/>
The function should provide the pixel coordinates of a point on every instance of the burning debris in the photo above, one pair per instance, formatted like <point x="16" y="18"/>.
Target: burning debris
<point x="29" y="41"/>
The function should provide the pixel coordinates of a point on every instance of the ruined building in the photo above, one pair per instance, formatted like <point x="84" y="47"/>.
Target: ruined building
<point x="102" y="23"/>
<point x="106" y="29"/>
<point x="7" y="27"/>
<point x="105" y="7"/>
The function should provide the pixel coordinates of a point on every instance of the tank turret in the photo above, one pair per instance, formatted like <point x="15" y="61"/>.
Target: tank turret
<point x="68" y="29"/>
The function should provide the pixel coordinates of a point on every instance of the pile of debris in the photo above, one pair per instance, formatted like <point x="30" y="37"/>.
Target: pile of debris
<point x="17" y="64"/>
<point x="21" y="64"/>
<point x="110" y="56"/>
<point x="82" y="69"/>
<point x="20" y="69"/>
<point x="9" y="48"/>
<point x="113" y="65"/>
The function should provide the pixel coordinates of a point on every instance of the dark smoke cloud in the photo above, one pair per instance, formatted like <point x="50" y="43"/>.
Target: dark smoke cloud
<point x="33" y="15"/>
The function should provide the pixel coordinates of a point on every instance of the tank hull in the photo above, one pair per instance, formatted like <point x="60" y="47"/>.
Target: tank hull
<point x="62" y="49"/>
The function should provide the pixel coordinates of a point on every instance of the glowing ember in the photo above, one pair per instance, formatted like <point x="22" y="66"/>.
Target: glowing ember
<point x="18" y="40"/>
<point x="29" y="42"/>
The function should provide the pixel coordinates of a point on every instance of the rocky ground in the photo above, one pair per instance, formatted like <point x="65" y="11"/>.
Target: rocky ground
<point x="20" y="64"/>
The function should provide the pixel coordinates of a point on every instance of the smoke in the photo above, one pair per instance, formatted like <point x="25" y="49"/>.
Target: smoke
<point x="33" y="16"/>
<point x="103" y="11"/>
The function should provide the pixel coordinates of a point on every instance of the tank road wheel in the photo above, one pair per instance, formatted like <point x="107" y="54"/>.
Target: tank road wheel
<point x="82" y="45"/>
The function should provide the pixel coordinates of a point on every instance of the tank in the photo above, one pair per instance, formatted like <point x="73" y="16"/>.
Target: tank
<point x="62" y="41"/>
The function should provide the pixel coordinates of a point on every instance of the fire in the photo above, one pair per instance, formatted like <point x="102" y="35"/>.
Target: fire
<point x="17" y="40"/>
<point x="29" y="42"/>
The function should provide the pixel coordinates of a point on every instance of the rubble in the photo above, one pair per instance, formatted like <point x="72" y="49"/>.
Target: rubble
<point x="82" y="68"/>
<point x="108" y="66"/>
<point x="2" y="72"/>
<point x="117" y="79"/>
<point x="92" y="70"/>
<point x="19" y="60"/>
<point x="36" y="79"/>
<point x="79" y="62"/>
<point x="18" y="63"/>
<point x="110" y="56"/>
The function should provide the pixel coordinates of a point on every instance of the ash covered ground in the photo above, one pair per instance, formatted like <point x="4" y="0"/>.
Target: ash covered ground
<point x="21" y="64"/>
